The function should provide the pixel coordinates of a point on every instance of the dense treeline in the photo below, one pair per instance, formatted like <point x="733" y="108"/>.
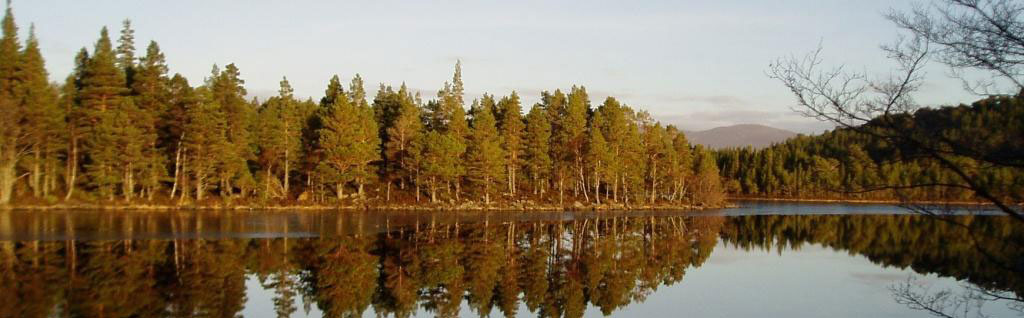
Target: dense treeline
<point x="555" y="269"/>
<point x="122" y="128"/>
<point x="985" y="140"/>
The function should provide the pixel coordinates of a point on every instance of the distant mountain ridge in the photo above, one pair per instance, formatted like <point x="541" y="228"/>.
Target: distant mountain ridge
<point x="757" y="136"/>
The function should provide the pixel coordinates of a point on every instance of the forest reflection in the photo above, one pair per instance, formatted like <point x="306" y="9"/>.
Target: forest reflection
<point x="552" y="268"/>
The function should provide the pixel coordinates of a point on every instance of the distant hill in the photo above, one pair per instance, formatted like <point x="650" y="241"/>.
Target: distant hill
<point x="758" y="136"/>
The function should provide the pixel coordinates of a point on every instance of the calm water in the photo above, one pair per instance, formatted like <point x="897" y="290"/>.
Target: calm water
<point x="762" y="260"/>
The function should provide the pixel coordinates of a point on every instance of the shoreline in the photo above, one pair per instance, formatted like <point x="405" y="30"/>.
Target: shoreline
<point x="731" y="202"/>
<point x="465" y="207"/>
<point x="854" y="201"/>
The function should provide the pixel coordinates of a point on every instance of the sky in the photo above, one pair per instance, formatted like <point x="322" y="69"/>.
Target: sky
<point x="695" y="64"/>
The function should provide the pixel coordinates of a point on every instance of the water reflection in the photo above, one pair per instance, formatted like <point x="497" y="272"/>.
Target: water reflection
<point x="396" y="267"/>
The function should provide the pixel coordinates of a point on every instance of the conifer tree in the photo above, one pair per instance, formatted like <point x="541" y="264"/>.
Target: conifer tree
<point x="206" y="141"/>
<point x="103" y="91"/>
<point x="126" y="51"/>
<point x="404" y="133"/>
<point x="631" y="156"/>
<point x="12" y="137"/>
<point x="484" y="155"/>
<point x="367" y="133"/>
<point x="555" y="105"/>
<point x="613" y="125"/>
<point x="181" y="105"/>
<point x="537" y="141"/>
<point x="268" y="135"/>
<point x="227" y="91"/>
<point x="597" y="155"/>
<point x="511" y="126"/>
<point x="349" y="143"/>
<point x="708" y="188"/>
<point x="680" y="162"/>
<point x="677" y="162"/>
<point x="44" y="122"/>
<point x="657" y="147"/>
<point x="449" y="117"/>
<point x="439" y="161"/>
<point x="151" y="92"/>
<point x="77" y="119"/>
<point x="385" y="110"/>
<point x="334" y="88"/>
<point x="572" y="136"/>
<point x="290" y="133"/>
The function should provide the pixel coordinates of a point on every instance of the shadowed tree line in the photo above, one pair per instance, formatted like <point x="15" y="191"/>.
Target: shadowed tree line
<point x="555" y="269"/>
<point x="985" y="139"/>
<point x="122" y="128"/>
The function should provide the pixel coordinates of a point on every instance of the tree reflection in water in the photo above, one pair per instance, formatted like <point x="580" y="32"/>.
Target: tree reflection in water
<point x="986" y="253"/>
<point x="556" y="268"/>
<point x="553" y="268"/>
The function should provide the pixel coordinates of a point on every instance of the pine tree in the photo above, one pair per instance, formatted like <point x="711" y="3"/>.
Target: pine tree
<point x="401" y="148"/>
<point x="77" y="120"/>
<point x="679" y="170"/>
<point x="268" y="135"/>
<point x="484" y="155"/>
<point x="349" y="143"/>
<point x="367" y="133"/>
<point x="657" y="147"/>
<point x="44" y="119"/>
<point x="537" y="141"/>
<point x="511" y="128"/>
<point x="573" y="136"/>
<point x="614" y="125"/>
<point x="126" y="51"/>
<point x="597" y="155"/>
<point x="12" y="143"/>
<point x="439" y="161"/>
<point x="151" y="92"/>
<point x="205" y="142"/>
<point x="632" y="158"/>
<point x="227" y="91"/>
<point x="103" y="92"/>
<point x="181" y="105"/>
<point x="290" y="133"/>
<point x="449" y="117"/>
<point x="708" y="188"/>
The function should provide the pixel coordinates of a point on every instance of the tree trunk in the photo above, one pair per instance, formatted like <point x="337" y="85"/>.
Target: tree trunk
<point x="286" y="166"/>
<point x="36" y="170"/>
<point x="266" y="184"/>
<point x="72" y="167"/>
<point x="615" y="189"/>
<point x="433" y="190"/>
<point x="177" y="167"/>
<point x="561" y="198"/>
<point x="597" y="183"/>
<point x="199" y="187"/>
<point x="7" y="175"/>
<point x="654" y="181"/>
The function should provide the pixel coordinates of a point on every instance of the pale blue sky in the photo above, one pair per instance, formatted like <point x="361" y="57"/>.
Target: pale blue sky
<point x="697" y="64"/>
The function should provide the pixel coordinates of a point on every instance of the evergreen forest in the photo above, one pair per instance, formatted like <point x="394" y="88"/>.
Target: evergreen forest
<point x="122" y="129"/>
<point x="984" y="139"/>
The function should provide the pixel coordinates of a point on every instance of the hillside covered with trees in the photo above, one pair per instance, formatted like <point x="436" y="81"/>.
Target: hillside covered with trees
<point x="123" y="129"/>
<point x="985" y="139"/>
